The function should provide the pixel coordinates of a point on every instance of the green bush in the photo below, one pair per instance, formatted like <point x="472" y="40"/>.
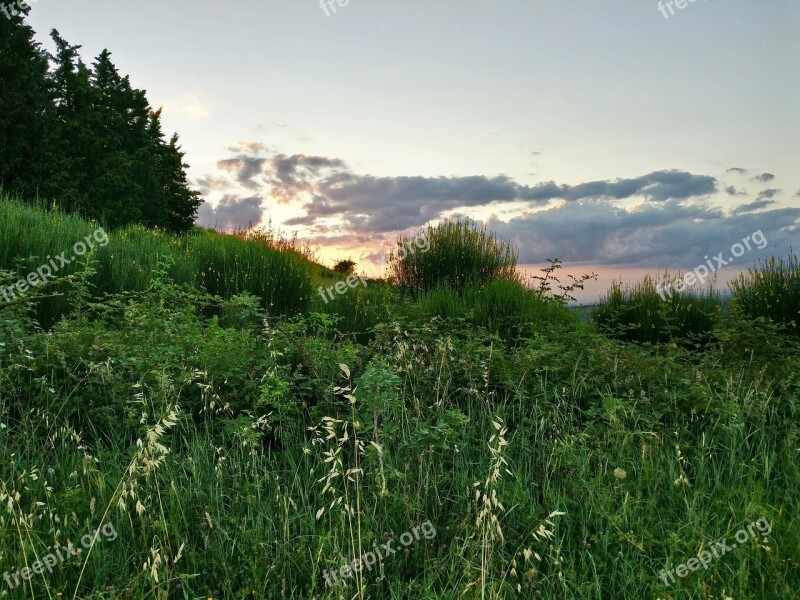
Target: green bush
<point x="359" y="309"/>
<point x="454" y="254"/>
<point x="771" y="291"/>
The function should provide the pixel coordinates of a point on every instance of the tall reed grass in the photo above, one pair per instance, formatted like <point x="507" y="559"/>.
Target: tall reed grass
<point x="771" y="290"/>
<point x="637" y="313"/>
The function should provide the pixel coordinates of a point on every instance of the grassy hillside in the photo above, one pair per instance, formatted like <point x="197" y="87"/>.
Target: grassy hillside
<point x="469" y="441"/>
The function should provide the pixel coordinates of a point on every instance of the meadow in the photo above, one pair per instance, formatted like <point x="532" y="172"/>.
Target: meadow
<point x="243" y="439"/>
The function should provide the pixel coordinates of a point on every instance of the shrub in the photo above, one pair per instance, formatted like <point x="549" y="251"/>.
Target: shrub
<point x="345" y="266"/>
<point x="771" y="291"/>
<point x="360" y="309"/>
<point x="454" y="254"/>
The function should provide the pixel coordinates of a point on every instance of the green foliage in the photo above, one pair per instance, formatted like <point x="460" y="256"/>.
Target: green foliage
<point x="551" y="459"/>
<point x="772" y="291"/>
<point x="199" y="427"/>
<point x="454" y="254"/>
<point x="359" y="309"/>
<point x="638" y="313"/>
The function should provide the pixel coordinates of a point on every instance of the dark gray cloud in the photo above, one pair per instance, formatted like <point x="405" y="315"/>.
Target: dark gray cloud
<point x="732" y="191"/>
<point x="286" y="175"/>
<point x="738" y="170"/>
<point x="764" y="177"/>
<point x="771" y="193"/>
<point x="669" y="234"/>
<point x="658" y="186"/>
<point x="393" y="203"/>
<point x="245" y="168"/>
<point x="299" y="168"/>
<point x="755" y="205"/>
<point x="231" y="213"/>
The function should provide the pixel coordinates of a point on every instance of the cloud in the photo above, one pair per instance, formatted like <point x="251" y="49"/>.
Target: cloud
<point x="771" y="193"/>
<point x="208" y="184"/>
<point x="253" y="147"/>
<point x="659" y="219"/>
<point x="245" y="168"/>
<point x="329" y="189"/>
<point x="764" y="177"/>
<point x="393" y="203"/>
<point x="745" y="208"/>
<point x="732" y="191"/>
<point x="656" y="236"/>
<point x="738" y="170"/>
<point x="231" y="213"/>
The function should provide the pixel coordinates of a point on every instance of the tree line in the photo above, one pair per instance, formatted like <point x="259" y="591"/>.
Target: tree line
<point x="83" y="138"/>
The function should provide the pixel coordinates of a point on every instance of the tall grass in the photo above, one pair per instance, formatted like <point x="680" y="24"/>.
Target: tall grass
<point x="455" y="254"/>
<point x="584" y="426"/>
<point x="359" y="309"/>
<point x="221" y="264"/>
<point x="506" y="308"/>
<point x="638" y="313"/>
<point x="771" y="290"/>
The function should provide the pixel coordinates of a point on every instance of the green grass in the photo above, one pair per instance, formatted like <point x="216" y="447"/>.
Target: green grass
<point x="639" y="313"/>
<point x="241" y="452"/>
<point x="220" y="264"/>
<point x="771" y="290"/>
<point x="503" y="307"/>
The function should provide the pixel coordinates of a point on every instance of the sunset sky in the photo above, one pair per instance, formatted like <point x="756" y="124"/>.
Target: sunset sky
<point x="600" y="133"/>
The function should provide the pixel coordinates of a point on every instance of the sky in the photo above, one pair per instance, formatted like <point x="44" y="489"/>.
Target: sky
<point x="622" y="138"/>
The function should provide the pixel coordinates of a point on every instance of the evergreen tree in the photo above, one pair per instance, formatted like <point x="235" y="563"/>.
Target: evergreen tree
<point x="84" y="138"/>
<point x="25" y="108"/>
